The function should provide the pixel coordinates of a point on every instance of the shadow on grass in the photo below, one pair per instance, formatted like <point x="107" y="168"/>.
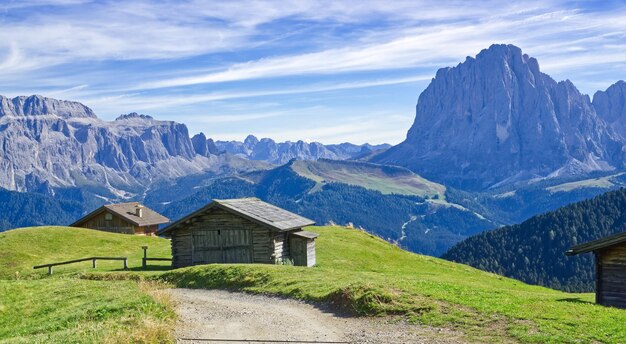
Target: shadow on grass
<point x="575" y="300"/>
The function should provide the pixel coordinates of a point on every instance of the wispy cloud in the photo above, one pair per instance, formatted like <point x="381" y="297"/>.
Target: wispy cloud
<point x="138" y="101"/>
<point x="177" y="58"/>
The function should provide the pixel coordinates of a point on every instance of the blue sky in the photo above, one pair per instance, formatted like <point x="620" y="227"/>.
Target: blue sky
<point x="328" y="71"/>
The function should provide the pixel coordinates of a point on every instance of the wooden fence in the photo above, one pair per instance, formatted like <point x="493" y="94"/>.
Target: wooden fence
<point x="93" y="259"/>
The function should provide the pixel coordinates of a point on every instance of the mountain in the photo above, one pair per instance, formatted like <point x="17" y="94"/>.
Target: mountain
<point x="391" y="202"/>
<point x="497" y="119"/>
<point x="21" y="209"/>
<point x="611" y="106"/>
<point x="282" y="152"/>
<point x="47" y="144"/>
<point x="534" y="251"/>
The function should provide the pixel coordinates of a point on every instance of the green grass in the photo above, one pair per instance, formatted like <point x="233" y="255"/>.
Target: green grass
<point x="356" y="272"/>
<point x="62" y="308"/>
<point x="71" y="310"/>
<point x="21" y="249"/>
<point x="605" y="182"/>
<point x="387" y="180"/>
<point x="368" y="276"/>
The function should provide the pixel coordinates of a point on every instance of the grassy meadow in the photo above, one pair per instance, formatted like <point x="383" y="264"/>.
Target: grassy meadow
<point x="64" y="308"/>
<point x="365" y="275"/>
<point x="356" y="272"/>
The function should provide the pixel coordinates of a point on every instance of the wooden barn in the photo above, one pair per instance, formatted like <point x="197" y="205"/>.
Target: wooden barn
<point x="245" y="230"/>
<point x="610" y="261"/>
<point x="125" y="218"/>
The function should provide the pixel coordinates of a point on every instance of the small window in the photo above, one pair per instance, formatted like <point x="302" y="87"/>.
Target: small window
<point x="108" y="217"/>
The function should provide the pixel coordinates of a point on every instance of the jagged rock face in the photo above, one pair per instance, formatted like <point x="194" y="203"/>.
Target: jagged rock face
<point x="47" y="143"/>
<point x="270" y="151"/>
<point x="496" y="118"/>
<point x="39" y="106"/>
<point x="202" y="146"/>
<point x="611" y="106"/>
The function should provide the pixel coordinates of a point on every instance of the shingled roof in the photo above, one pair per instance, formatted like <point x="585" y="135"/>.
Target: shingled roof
<point x="597" y="244"/>
<point x="252" y="209"/>
<point x="127" y="211"/>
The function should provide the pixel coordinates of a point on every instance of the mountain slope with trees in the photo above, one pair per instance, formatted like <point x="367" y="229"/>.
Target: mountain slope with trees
<point x="534" y="251"/>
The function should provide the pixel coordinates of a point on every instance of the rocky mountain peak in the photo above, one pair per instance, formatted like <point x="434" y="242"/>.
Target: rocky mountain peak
<point x="496" y="118"/>
<point x="133" y="115"/>
<point x="251" y="141"/>
<point x="37" y="105"/>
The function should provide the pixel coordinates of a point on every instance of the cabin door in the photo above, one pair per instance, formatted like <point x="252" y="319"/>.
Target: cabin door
<point x="297" y="246"/>
<point x="222" y="246"/>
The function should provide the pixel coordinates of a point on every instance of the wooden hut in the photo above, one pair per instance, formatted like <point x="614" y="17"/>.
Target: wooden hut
<point x="610" y="261"/>
<point x="245" y="230"/>
<point x="125" y="218"/>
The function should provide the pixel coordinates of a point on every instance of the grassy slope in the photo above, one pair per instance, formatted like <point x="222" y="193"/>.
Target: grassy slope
<point x="606" y="182"/>
<point x="63" y="308"/>
<point x="21" y="249"/>
<point x="387" y="180"/>
<point x="370" y="276"/>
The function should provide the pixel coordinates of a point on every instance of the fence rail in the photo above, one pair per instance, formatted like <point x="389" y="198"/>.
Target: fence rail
<point x="93" y="259"/>
<point x="145" y="259"/>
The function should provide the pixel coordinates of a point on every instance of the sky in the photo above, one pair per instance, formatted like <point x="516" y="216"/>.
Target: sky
<point x="327" y="71"/>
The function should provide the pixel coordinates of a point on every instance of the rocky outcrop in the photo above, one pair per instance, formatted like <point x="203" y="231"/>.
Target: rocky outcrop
<point x="203" y="146"/>
<point x="41" y="106"/>
<point x="270" y="151"/>
<point x="47" y="144"/>
<point x="497" y="118"/>
<point x="611" y="106"/>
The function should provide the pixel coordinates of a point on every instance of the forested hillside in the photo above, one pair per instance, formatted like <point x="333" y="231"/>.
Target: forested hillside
<point x="31" y="209"/>
<point x="428" y="226"/>
<point x="534" y="251"/>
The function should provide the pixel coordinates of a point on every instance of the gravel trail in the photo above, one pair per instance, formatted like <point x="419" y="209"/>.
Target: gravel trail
<point x="207" y="315"/>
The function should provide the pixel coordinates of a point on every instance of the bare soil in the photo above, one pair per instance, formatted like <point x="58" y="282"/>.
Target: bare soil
<point x="216" y="316"/>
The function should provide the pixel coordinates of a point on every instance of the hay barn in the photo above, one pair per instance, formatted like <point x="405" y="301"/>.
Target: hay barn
<point x="245" y="230"/>
<point x="125" y="218"/>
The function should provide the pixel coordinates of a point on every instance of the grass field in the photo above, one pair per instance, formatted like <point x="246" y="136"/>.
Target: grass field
<point x="356" y="272"/>
<point x="386" y="179"/>
<point x="64" y="308"/>
<point x="368" y="276"/>
<point x="21" y="249"/>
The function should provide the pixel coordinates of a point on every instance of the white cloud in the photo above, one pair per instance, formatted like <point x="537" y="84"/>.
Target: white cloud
<point x="138" y="101"/>
<point x="562" y="36"/>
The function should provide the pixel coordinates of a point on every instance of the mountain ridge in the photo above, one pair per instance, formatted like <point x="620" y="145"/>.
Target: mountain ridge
<point x="268" y="150"/>
<point x="497" y="118"/>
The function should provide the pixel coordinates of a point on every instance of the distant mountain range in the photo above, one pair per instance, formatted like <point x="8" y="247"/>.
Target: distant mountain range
<point x="391" y="202"/>
<point x="48" y="144"/>
<point x="494" y="142"/>
<point x="497" y="119"/>
<point x="282" y="152"/>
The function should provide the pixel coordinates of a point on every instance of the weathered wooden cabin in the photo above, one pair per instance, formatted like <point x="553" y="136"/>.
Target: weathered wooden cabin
<point x="125" y="218"/>
<point x="245" y="230"/>
<point x="610" y="261"/>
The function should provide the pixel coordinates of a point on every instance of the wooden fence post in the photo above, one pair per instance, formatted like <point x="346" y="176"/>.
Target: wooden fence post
<point x="49" y="270"/>
<point x="125" y="264"/>
<point x="94" y="263"/>
<point x="144" y="261"/>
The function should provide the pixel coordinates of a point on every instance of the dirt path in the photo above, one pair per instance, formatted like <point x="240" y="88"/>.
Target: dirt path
<point x="215" y="314"/>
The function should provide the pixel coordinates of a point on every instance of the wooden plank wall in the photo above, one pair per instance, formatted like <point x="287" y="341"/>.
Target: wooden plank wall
<point x="181" y="248"/>
<point x="611" y="275"/>
<point x="259" y="245"/>
<point x="281" y="247"/>
<point x="310" y="253"/>
<point x="115" y="225"/>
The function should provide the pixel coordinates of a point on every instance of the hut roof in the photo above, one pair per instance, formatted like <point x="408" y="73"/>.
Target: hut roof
<point x="305" y="234"/>
<point x="253" y="209"/>
<point x="597" y="244"/>
<point x="127" y="211"/>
